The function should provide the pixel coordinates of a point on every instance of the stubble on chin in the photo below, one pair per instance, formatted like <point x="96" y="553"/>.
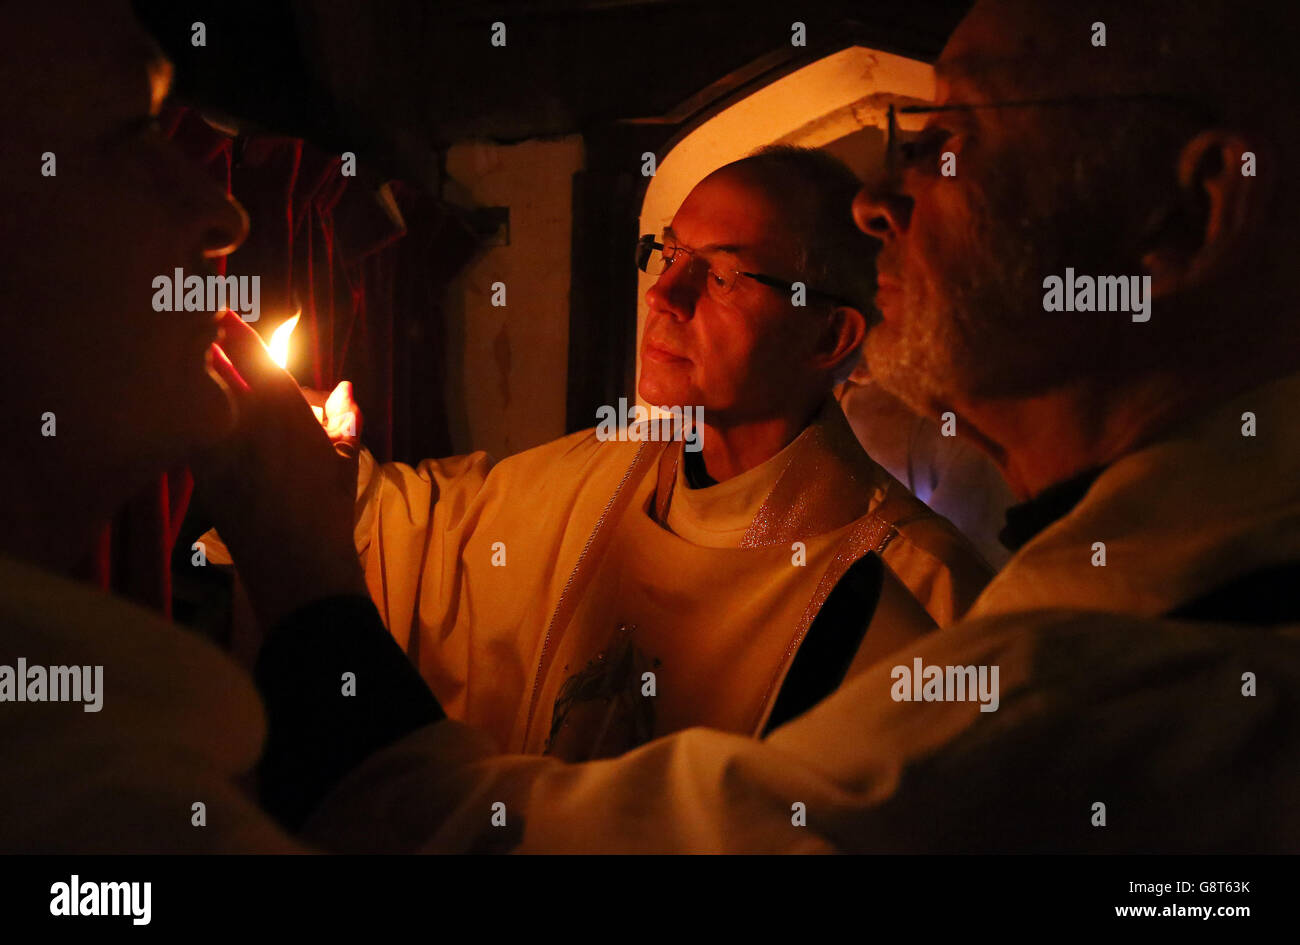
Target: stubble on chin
<point x="913" y="358"/>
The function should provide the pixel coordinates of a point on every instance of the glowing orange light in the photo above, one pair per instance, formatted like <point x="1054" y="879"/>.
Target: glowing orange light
<point x="279" y="345"/>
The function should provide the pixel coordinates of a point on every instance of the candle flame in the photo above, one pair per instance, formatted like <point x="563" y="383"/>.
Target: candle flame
<point x="279" y="345"/>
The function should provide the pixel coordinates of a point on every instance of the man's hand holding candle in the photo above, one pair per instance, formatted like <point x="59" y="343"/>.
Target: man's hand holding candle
<point x="341" y="418"/>
<point x="280" y="488"/>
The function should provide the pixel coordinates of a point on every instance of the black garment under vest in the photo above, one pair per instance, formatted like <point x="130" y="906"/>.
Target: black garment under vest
<point x="1264" y="597"/>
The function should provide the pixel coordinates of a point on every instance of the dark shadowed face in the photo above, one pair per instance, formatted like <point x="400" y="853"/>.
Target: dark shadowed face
<point x="130" y="387"/>
<point x="746" y="355"/>
<point x="964" y="257"/>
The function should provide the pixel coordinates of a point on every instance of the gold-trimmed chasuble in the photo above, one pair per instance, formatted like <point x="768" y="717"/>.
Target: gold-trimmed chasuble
<point x="566" y="573"/>
<point x="664" y="633"/>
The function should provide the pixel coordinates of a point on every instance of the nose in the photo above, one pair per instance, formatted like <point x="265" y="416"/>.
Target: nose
<point x="676" y="291"/>
<point x="882" y="213"/>
<point x="210" y="221"/>
<point x="224" y="226"/>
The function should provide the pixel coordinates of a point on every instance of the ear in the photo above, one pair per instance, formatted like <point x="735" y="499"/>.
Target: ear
<point x="844" y="331"/>
<point x="1220" y="214"/>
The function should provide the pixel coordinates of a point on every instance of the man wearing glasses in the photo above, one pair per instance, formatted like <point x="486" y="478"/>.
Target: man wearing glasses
<point x="587" y="596"/>
<point x="1146" y="630"/>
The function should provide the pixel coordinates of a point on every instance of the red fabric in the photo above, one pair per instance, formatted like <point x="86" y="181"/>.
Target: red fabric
<point x="346" y="292"/>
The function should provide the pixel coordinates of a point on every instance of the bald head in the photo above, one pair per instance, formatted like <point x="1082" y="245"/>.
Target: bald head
<point x="812" y="194"/>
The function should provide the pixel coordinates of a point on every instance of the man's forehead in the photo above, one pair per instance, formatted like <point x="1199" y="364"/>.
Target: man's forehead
<point x="1008" y="49"/>
<point x="98" y="32"/>
<point x="136" y="52"/>
<point x="78" y="63"/>
<point x="996" y="57"/>
<point x="989" y="78"/>
<point x="734" y="213"/>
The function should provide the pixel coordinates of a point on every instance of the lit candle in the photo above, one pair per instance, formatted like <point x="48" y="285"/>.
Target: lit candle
<point x="279" y="348"/>
<point x="279" y="345"/>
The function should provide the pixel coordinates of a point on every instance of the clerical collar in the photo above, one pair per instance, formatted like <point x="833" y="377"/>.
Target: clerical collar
<point x="1026" y="520"/>
<point x="821" y="481"/>
<point x="719" y="514"/>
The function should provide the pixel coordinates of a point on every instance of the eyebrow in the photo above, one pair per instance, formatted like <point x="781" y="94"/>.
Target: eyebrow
<point x="142" y="52"/>
<point x="160" y="81"/>
<point x="974" y="64"/>
<point x="734" y="249"/>
<point x="987" y="76"/>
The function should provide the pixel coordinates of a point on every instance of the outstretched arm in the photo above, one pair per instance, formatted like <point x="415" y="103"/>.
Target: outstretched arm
<point x="336" y="686"/>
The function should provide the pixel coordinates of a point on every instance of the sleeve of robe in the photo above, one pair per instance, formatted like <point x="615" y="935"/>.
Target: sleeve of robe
<point x="408" y="522"/>
<point x="427" y="537"/>
<point x="1144" y="717"/>
<point x="404" y="518"/>
<point x="939" y="566"/>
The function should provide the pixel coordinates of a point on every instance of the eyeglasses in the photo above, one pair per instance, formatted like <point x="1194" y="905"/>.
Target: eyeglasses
<point x="655" y="256"/>
<point x="900" y="156"/>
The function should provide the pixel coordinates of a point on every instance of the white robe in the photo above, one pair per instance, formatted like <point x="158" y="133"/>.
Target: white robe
<point x="1103" y="704"/>
<point x="470" y="565"/>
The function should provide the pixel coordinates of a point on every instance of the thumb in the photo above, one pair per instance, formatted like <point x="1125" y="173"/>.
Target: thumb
<point x="340" y="400"/>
